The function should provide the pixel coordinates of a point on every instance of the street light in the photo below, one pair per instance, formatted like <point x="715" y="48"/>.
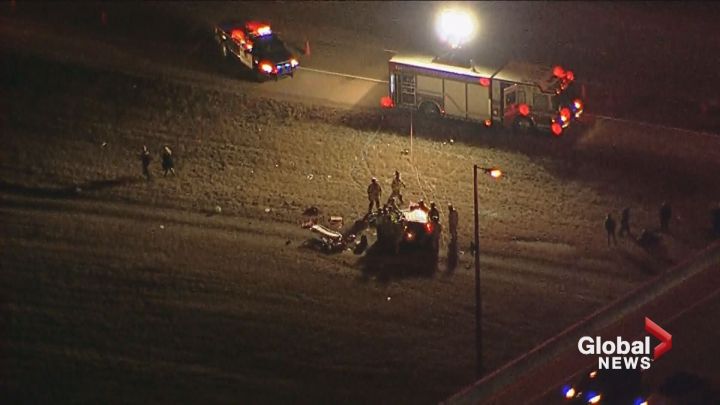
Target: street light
<point x="456" y="27"/>
<point x="496" y="174"/>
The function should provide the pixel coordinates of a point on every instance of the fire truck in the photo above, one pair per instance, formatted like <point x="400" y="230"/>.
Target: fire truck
<point x="521" y="96"/>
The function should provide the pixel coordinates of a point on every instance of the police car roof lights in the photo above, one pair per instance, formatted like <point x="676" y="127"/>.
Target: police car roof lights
<point x="258" y="29"/>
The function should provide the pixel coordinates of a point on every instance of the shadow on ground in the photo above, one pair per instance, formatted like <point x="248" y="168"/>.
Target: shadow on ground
<point x="68" y="191"/>
<point x="384" y="266"/>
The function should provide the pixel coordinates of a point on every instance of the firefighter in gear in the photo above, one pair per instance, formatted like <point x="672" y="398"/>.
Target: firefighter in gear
<point x="145" y="160"/>
<point x="434" y="213"/>
<point x="374" y="191"/>
<point x="393" y="211"/>
<point x="422" y="206"/>
<point x="610" y="228"/>
<point x="665" y="215"/>
<point x="396" y="186"/>
<point x="625" y="222"/>
<point x="453" y="222"/>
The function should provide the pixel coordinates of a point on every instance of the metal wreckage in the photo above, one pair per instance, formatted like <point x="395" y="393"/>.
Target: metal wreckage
<point x="397" y="230"/>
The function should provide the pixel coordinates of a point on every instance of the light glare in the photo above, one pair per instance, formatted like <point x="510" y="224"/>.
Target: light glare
<point x="455" y="27"/>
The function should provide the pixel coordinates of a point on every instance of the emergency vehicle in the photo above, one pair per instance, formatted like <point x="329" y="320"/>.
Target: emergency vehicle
<point x="520" y="96"/>
<point x="256" y="46"/>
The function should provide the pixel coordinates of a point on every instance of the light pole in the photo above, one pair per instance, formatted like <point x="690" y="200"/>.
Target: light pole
<point x="494" y="173"/>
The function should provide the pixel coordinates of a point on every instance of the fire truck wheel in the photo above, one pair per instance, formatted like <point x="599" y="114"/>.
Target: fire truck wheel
<point x="523" y="126"/>
<point x="429" y="109"/>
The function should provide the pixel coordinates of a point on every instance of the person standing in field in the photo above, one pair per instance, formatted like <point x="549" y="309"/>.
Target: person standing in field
<point x="374" y="191"/>
<point x="625" y="222"/>
<point x="396" y="186"/>
<point x="610" y="228"/>
<point x="167" y="161"/>
<point x="145" y="159"/>
<point x="453" y="222"/>
<point x="716" y="220"/>
<point x="434" y="213"/>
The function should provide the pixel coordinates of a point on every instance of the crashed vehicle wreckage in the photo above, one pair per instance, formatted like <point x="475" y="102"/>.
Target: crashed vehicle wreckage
<point x="396" y="229"/>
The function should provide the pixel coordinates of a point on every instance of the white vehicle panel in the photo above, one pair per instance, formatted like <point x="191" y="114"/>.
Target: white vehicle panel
<point x="478" y="100"/>
<point x="454" y="99"/>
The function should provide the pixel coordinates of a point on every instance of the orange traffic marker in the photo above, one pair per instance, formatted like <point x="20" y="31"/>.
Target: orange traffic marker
<point x="307" y="47"/>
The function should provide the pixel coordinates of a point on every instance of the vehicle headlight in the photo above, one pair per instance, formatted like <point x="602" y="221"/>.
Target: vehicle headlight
<point x="570" y="393"/>
<point x="294" y="62"/>
<point x="594" y="399"/>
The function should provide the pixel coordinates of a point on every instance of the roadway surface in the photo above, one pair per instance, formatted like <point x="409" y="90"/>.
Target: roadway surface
<point x="685" y="302"/>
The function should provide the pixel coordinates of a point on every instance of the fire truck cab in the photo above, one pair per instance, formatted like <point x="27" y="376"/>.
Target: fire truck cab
<point x="517" y="95"/>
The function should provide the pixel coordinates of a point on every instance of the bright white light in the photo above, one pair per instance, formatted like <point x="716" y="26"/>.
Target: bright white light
<point x="455" y="27"/>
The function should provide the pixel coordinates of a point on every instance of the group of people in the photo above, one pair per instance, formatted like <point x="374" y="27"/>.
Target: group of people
<point x="168" y="165"/>
<point x="664" y="214"/>
<point x="374" y="192"/>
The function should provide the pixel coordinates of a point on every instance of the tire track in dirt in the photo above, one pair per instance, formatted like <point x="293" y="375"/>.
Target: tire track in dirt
<point x="364" y="157"/>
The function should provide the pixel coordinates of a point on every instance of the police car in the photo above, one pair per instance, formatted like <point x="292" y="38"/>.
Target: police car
<point x="257" y="47"/>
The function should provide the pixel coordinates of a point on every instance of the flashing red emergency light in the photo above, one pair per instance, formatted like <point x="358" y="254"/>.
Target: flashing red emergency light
<point x="237" y="35"/>
<point x="556" y="129"/>
<point x="484" y="81"/>
<point x="570" y="75"/>
<point x="258" y="28"/>
<point x="386" y="102"/>
<point x="565" y="113"/>
<point x="524" y="110"/>
<point x="558" y="71"/>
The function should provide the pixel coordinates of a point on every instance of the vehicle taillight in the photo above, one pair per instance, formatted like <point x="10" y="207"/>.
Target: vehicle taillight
<point x="428" y="227"/>
<point x="488" y="123"/>
<point x="485" y="82"/>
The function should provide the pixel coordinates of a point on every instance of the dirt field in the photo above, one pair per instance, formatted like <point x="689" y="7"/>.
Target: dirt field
<point x="119" y="289"/>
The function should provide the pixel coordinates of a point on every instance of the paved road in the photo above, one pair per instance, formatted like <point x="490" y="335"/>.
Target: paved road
<point x="673" y="301"/>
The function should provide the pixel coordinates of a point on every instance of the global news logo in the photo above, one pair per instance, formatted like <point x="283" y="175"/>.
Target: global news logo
<point x="620" y="354"/>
